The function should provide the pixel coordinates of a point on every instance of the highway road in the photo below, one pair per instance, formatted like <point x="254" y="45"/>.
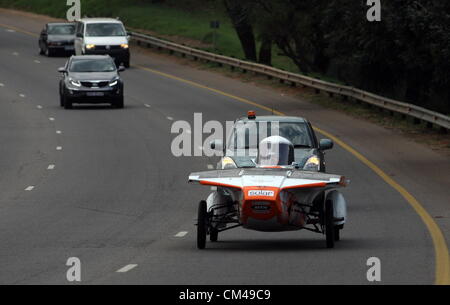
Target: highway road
<point x="102" y="185"/>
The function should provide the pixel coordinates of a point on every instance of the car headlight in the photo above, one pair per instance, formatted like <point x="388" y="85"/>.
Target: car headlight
<point x="124" y="46"/>
<point x="228" y="163"/>
<point x="75" y="83"/>
<point x="313" y="164"/>
<point x="90" y="46"/>
<point x="113" y="83"/>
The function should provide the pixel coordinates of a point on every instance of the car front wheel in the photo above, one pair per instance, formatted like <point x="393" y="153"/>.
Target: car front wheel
<point x="119" y="102"/>
<point x="67" y="102"/>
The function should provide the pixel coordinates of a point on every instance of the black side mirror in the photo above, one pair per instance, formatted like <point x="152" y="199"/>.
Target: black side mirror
<point x="121" y="69"/>
<point x="326" y="144"/>
<point x="129" y="34"/>
<point x="62" y="70"/>
<point x="79" y="35"/>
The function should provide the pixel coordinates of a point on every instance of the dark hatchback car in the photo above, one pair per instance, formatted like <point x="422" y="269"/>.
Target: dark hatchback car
<point x="91" y="79"/>
<point x="57" y="37"/>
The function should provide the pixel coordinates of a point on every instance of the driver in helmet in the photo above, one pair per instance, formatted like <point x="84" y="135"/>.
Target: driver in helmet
<point x="275" y="151"/>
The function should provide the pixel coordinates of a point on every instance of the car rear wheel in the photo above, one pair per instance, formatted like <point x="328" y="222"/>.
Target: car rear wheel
<point x="337" y="233"/>
<point x="202" y="225"/>
<point x="329" y="224"/>
<point x="213" y="235"/>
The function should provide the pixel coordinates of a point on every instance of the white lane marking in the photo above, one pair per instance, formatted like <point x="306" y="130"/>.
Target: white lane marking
<point x="15" y="54"/>
<point x="39" y="107"/>
<point x="181" y="234"/>
<point x="51" y="167"/>
<point x="30" y="188"/>
<point x="10" y="31"/>
<point x="59" y="148"/>
<point x="127" y="268"/>
<point x="22" y="95"/>
<point x="37" y="61"/>
<point x="170" y="118"/>
<point x="210" y="166"/>
<point x="51" y="119"/>
<point x="147" y="105"/>
<point x="58" y="132"/>
<point x="2" y="85"/>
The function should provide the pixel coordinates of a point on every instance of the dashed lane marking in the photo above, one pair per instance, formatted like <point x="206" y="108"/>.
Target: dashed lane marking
<point x="127" y="268"/>
<point x="181" y="234"/>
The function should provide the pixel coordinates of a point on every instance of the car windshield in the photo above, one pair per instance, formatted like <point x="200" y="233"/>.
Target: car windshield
<point x="104" y="29"/>
<point x="248" y="135"/>
<point x="61" y="29"/>
<point x="92" y="65"/>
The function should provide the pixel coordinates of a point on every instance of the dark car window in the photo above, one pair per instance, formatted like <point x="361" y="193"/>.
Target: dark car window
<point x="104" y="29"/>
<point x="92" y="65"/>
<point x="248" y="136"/>
<point x="61" y="29"/>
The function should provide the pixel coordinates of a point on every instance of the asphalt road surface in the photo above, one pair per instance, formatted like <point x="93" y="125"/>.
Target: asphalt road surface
<point x="102" y="185"/>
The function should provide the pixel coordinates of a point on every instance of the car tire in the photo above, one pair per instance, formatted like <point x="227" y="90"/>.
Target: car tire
<point x="41" y="52"/>
<point x="119" y="103"/>
<point x="67" y="103"/>
<point x="61" y="100"/>
<point x="126" y="64"/>
<point x="202" y="225"/>
<point x="337" y="233"/>
<point x="329" y="224"/>
<point x="48" y="52"/>
<point x="213" y="235"/>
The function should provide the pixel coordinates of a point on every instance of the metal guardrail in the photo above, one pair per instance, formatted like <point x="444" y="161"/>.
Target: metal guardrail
<point x="406" y="109"/>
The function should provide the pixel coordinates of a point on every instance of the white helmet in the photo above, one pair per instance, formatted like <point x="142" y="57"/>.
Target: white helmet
<point x="275" y="151"/>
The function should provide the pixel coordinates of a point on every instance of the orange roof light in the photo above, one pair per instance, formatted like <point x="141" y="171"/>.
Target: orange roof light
<point x="251" y="115"/>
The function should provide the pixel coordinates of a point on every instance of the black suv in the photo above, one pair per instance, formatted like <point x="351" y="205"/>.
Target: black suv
<point x="92" y="79"/>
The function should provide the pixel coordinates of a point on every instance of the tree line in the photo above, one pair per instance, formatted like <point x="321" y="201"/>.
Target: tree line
<point x="405" y="56"/>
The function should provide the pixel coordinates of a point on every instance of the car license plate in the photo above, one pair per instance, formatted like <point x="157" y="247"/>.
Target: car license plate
<point x="95" y="94"/>
<point x="69" y="48"/>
